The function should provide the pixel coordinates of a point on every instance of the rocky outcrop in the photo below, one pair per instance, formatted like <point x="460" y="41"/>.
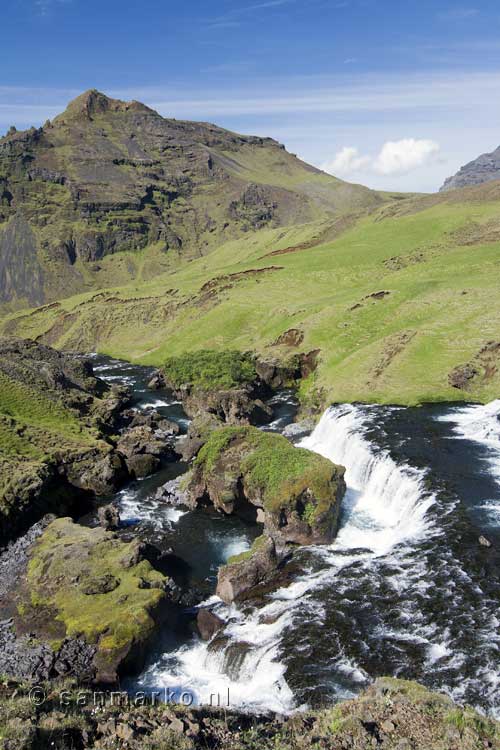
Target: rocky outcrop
<point x="247" y="570"/>
<point x="295" y="493"/>
<point x="89" y="591"/>
<point x="391" y="715"/>
<point x="208" y="623"/>
<point x="144" y="448"/>
<point x="483" y="169"/>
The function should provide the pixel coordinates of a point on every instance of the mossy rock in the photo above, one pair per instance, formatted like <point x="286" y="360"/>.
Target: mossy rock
<point x="297" y="492"/>
<point x="99" y="588"/>
<point x="247" y="570"/>
<point x="209" y="370"/>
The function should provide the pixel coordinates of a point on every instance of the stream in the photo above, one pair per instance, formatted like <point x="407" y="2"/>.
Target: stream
<point x="405" y="590"/>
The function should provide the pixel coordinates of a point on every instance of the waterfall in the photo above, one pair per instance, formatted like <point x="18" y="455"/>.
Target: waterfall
<point x="385" y="503"/>
<point x="480" y="424"/>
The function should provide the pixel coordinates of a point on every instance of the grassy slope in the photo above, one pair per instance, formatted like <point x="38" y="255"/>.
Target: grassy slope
<point x="442" y="307"/>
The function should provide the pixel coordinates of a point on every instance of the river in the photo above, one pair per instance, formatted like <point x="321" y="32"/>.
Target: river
<point x="405" y="590"/>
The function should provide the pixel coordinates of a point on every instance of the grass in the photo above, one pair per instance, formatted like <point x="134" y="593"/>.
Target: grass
<point x="258" y="544"/>
<point x="272" y="467"/>
<point x="206" y="369"/>
<point x="442" y="306"/>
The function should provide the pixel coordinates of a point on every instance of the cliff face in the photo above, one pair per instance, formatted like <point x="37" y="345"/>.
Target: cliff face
<point x="108" y="176"/>
<point x="483" y="169"/>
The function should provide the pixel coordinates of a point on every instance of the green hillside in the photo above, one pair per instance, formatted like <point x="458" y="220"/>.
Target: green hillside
<point x="395" y="301"/>
<point x="110" y="192"/>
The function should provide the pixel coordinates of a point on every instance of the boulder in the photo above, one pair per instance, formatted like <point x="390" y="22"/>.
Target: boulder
<point x="171" y="492"/>
<point x="157" y="382"/>
<point x="88" y="583"/>
<point x="261" y="476"/>
<point x="109" y="517"/>
<point x="247" y="570"/>
<point x="209" y="624"/>
<point x="143" y="449"/>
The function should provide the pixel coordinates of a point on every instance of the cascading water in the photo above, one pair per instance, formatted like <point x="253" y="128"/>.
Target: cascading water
<point x="404" y="590"/>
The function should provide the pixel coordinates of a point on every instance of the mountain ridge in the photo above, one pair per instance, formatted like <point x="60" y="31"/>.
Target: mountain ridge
<point x="485" y="168"/>
<point x="107" y="176"/>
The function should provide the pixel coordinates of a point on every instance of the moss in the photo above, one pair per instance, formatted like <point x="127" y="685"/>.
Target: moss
<point x="208" y="369"/>
<point x="272" y="467"/>
<point x="67" y="558"/>
<point x="257" y="545"/>
<point x="216" y="444"/>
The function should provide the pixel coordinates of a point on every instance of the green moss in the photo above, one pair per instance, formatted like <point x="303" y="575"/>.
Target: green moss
<point x="258" y="544"/>
<point x="208" y="369"/>
<point x="218" y="440"/>
<point x="272" y="467"/>
<point x="69" y="560"/>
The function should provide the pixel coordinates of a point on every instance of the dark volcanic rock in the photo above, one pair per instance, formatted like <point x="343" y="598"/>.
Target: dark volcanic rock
<point x="109" y="517"/>
<point x="209" y="624"/>
<point x="246" y="571"/>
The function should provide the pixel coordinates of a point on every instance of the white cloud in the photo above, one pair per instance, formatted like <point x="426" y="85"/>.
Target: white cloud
<point x="347" y="161"/>
<point x="401" y="157"/>
<point x="394" y="158"/>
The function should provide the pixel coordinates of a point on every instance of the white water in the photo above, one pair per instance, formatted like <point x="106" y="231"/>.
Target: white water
<point x="385" y="507"/>
<point x="481" y="424"/>
<point x="385" y="503"/>
<point x="133" y="508"/>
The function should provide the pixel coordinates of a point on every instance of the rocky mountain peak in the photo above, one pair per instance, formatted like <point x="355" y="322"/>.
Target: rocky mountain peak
<point x="93" y="102"/>
<point x="485" y="168"/>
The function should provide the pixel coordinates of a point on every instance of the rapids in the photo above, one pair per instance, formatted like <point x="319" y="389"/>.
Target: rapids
<point x="404" y="590"/>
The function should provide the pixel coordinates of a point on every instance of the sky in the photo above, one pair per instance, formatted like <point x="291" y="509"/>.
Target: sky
<point x="394" y="95"/>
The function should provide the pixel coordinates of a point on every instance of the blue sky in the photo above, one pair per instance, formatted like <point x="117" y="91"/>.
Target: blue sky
<point x="392" y="94"/>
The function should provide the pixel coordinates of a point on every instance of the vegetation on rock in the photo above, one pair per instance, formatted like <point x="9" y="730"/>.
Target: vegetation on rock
<point x="298" y="491"/>
<point x="395" y="713"/>
<point x="98" y="587"/>
<point x="209" y="370"/>
<point x="434" y="257"/>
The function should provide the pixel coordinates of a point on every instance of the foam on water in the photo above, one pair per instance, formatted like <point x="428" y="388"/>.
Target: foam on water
<point x="480" y="424"/>
<point x="133" y="509"/>
<point x="385" y="506"/>
<point x="385" y="503"/>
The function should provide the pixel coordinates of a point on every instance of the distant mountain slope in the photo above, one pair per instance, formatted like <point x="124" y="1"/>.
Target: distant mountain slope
<point x="108" y="176"/>
<point x="483" y="169"/>
<point x="399" y="306"/>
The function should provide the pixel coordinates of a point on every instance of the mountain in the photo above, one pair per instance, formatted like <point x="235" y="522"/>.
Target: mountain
<point x="483" y="169"/>
<point x="110" y="191"/>
<point x="399" y="305"/>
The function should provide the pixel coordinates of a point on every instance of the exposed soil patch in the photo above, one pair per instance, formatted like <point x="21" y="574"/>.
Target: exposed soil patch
<point x="292" y="337"/>
<point x="394" y="346"/>
<point x="483" y="367"/>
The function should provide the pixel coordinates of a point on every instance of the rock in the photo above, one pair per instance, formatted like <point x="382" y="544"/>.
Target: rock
<point x="198" y="433"/>
<point x="143" y="465"/>
<point x="483" y="169"/>
<point x="484" y="542"/>
<point x="91" y="582"/>
<point x="171" y="492"/>
<point x="97" y="473"/>
<point x="143" y="450"/>
<point x="209" y="624"/>
<point x="157" y="382"/>
<point x="100" y="585"/>
<point x="297" y="498"/>
<point x="109" y="517"/>
<point x="298" y="430"/>
<point x="245" y="571"/>
<point x="462" y="376"/>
